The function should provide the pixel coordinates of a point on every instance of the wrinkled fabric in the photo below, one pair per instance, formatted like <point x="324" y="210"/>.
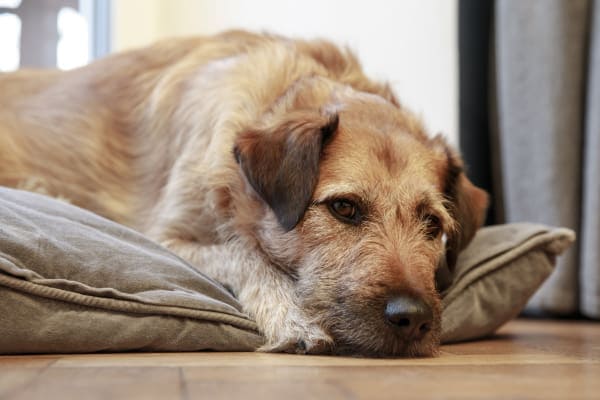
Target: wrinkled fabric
<point x="71" y="281"/>
<point x="497" y="274"/>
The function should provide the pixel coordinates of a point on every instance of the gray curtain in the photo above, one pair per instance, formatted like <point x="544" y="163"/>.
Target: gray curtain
<point x="546" y="65"/>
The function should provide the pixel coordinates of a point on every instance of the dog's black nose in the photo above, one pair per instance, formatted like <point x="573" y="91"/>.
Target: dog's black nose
<point x="411" y="317"/>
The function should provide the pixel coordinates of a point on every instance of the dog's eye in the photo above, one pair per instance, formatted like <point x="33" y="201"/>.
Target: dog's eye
<point x="433" y="226"/>
<point x="344" y="210"/>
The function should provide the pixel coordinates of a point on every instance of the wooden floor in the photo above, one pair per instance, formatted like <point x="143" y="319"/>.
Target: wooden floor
<point x="527" y="359"/>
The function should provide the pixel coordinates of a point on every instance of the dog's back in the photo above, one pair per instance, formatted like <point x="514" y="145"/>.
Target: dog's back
<point x="105" y="136"/>
<point x="74" y="134"/>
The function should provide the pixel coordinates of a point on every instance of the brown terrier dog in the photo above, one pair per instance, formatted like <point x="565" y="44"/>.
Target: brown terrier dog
<point x="273" y="165"/>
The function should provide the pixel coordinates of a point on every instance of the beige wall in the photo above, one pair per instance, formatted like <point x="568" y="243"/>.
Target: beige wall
<point x="410" y="43"/>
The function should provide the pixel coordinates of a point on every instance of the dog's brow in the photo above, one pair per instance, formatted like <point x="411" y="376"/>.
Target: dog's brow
<point x="341" y="190"/>
<point x="425" y="204"/>
<point x="431" y="203"/>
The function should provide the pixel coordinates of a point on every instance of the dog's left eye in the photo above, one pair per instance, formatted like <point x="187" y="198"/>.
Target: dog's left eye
<point x="344" y="210"/>
<point x="433" y="226"/>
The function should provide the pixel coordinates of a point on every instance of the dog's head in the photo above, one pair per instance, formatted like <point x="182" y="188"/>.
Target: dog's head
<point x="362" y="211"/>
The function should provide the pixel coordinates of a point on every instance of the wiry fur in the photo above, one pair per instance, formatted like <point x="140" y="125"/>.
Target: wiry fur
<point x="226" y="149"/>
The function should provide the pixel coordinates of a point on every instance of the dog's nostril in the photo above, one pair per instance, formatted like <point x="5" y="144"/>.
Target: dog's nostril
<point x="411" y="317"/>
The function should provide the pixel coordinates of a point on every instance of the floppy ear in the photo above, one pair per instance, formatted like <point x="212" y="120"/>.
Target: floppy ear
<point x="281" y="162"/>
<point x="467" y="205"/>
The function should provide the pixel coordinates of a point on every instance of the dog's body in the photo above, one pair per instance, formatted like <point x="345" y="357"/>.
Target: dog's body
<point x="274" y="166"/>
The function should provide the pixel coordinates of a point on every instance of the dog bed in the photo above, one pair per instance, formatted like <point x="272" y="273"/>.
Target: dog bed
<point x="72" y="282"/>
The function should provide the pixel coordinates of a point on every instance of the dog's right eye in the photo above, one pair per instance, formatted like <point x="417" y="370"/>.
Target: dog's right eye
<point x="344" y="210"/>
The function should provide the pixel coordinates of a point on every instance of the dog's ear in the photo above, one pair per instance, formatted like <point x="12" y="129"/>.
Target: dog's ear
<point x="281" y="162"/>
<point x="467" y="204"/>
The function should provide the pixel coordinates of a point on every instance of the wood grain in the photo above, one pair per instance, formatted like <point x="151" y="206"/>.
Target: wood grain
<point x="526" y="359"/>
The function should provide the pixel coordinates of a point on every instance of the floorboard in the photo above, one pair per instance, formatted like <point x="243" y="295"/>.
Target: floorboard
<point x="529" y="359"/>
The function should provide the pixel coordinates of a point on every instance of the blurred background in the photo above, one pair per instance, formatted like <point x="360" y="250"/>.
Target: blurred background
<point x="515" y="84"/>
<point x="421" y="66"/>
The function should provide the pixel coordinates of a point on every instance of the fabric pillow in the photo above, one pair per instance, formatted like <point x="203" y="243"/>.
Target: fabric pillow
<point x="71" y="281"/>
<point x="497" y="274"/>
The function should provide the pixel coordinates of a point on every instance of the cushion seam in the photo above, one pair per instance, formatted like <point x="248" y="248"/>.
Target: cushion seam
<point x="124" y="305"/>
<point x="124" y="296"/>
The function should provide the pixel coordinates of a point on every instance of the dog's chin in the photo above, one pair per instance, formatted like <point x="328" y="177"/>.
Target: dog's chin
<point x="411" y="350"/>
<point x="387" y="346"/>
<point x="373" y="337"/>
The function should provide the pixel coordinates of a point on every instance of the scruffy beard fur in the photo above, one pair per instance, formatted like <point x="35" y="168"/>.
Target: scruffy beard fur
<point x="238" y="152"/>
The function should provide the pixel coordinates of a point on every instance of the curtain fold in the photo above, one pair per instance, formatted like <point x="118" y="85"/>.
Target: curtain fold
<point x="590" y="221"/>
<point x="544" y="132"/>
<point x="540" y="63"/>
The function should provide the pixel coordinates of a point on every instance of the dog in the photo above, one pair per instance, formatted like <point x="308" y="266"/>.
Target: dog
<point x="273" y="165"/>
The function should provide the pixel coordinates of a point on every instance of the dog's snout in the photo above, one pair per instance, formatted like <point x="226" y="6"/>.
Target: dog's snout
<point x="411" y="317"/>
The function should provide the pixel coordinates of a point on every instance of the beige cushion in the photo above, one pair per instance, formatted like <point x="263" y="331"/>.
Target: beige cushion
<point x="71" y="281"/>
<point x="497" y="274"/>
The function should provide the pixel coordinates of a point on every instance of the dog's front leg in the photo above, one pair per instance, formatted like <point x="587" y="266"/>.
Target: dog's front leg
<point x="266" y="293"/>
